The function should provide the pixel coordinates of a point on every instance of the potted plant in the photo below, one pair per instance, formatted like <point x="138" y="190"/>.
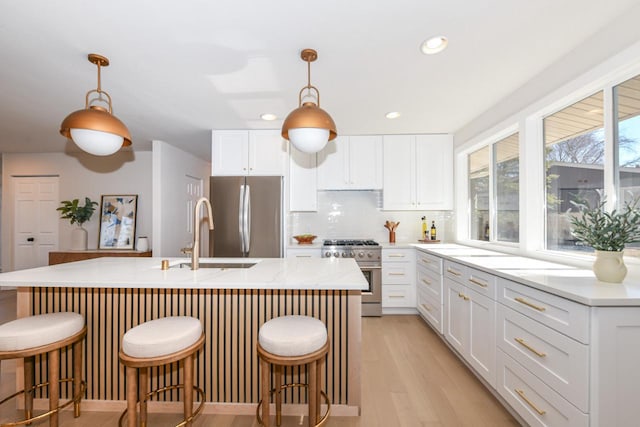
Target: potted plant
<point x="77" y="214"/>
<point x="607" y="233"/>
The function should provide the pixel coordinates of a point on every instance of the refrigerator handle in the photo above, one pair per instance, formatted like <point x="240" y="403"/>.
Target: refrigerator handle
<point x="241" y="219"/>
<point x="247" y="220"/>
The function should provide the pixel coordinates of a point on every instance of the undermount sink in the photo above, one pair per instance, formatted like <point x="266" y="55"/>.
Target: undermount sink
<point x="221" y="265"/>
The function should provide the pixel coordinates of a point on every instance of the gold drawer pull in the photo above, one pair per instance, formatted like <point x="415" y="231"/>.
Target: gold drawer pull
<point x="425" y="260"/>
<point x="427" y="282"/>
<point x="396" y="296"/>
<point x="303" y="256"/>
<point x="454" y="272"/>
<point x="528" y="347"/>
<point x="477" y="282"/>
<point x="530" y="403"/>
<point x="396" y="256"/>
<point x="426" y="307"/>
<point x="529" y="304"/>
<point x="396" y="274"/>
<point x="463" y="296"/>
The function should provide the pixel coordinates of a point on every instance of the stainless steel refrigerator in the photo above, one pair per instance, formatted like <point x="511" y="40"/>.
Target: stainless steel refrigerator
<point x="247" y="216"/>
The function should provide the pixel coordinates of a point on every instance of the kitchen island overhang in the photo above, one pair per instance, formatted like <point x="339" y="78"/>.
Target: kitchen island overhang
<point x="115" y="294"/>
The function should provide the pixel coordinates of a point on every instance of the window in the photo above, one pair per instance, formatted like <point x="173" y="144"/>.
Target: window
<point x="507" y="190"/>
<point x="574" y="166"/>
<point x="479" y="194"/>
<point x="495" y="166"/>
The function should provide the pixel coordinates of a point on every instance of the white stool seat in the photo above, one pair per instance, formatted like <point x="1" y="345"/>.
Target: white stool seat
<point x="292" y="335"/>
<point x="39" y="330"/>
<point x="161" y="336"/>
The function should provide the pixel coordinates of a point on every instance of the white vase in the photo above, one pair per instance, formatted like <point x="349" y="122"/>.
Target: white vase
<point x="143" y="244"/>
<point x="79" y="239"/>
<point x="609" y="266"/>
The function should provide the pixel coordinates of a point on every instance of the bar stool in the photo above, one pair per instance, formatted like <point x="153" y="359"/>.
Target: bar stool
<point x="156" y="343"/>
<point x="292" y="341"/>
<point x="45" y="334"/>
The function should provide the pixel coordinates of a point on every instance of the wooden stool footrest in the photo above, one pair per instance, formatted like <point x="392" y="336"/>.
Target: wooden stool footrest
<point x="321" y="421"/>
<point x="201" y="397"/>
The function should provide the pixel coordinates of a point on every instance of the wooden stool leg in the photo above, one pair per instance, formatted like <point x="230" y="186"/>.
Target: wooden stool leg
<point x="143" y="387"/>
<point x="319" y="369"/>
<point x="188" y="387"/>
<point x="311" y="395"/>
<point x="132" y="396"/>
<point x="264" y="378"/>
<point x="54" y="386"/>
<point x="77" y="375"/>
<point x="278" y="394"/>
<point x="29" y="366"/>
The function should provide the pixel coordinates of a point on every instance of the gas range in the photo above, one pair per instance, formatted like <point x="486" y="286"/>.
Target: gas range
<point x="363" y="250"/>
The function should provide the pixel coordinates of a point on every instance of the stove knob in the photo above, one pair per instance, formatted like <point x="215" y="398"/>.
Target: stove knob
<point x="370" y="255"/>
<point x="327" y="254"/>
<point x="361" y="255"/>
<point x="345" y="254"/>
<point x="336" y="254"/>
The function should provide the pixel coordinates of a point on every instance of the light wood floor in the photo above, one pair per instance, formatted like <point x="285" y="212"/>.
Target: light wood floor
<point x="410" y="378"/>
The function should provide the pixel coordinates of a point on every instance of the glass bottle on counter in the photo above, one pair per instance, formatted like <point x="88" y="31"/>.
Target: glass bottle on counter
<point x="433" y="230"/>
<point x="424" y="228"/>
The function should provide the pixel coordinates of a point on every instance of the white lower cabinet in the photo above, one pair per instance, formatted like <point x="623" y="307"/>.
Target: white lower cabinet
<point x="429" y="290"/>
<point x="532" y="399"/>
<point x="398" y="279"/>
<point x="469" y="326"/>
<point x="304" y="253"/>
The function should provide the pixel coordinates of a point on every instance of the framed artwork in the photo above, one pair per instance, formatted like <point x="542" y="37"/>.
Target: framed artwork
<point x="118" y="221"/>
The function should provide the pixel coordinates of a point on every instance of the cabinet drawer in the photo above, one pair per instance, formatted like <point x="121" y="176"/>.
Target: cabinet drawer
<point x="398" y="255"/>
<point x="398" y="273"/>
<point x="429" y="261"/>
<point x="535" y="402"/>
<point x="567" y="317"/>
<point x="304" y="253"/>
<point x="399" y="296"/>
<point x="561" y="362"/>
<point x="430" y="309"/>
<point x="430" y="282"/>
<point x="480" y="281"/>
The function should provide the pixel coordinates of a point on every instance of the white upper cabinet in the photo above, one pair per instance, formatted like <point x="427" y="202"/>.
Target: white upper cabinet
<point x="351" y="163"/>
<point x="418" y="172"/>
<point x="303" y="194"/>
<point x="248" y="152"/>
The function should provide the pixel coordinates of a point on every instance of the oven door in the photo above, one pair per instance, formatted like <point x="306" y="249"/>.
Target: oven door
<point x="374" y="277"/>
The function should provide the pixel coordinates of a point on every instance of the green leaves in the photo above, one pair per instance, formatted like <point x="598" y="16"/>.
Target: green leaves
<point x="607" y="231"/>
<point x="72" y="210"/>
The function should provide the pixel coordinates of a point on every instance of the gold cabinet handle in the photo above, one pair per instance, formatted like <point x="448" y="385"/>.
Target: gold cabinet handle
<point x="303" y="256"/>
<point x="427" y="261"/>
<point x="396" y="256"/>
<point x="454" y="272"/>
<point x="529" y="304"/>
<point x="426" y="307"/>
<point x="463" y="296"/>
<point x="396" y="274"/>
<point x="528" y="347"/>
<point x="530" y="403"/>
<point x="426" y="282"/>
<point x="396" y="296"/>
<point x="477" y="282"/>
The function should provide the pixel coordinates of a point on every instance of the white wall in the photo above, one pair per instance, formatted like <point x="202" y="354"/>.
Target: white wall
<point x="170" y="167"/>
<point x="81" y="175"/>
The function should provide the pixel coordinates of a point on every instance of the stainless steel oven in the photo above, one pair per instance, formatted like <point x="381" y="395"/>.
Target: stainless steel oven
<point x="367" y="254"/>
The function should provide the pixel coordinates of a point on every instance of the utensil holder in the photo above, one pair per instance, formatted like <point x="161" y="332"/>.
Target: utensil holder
<point x="392" y="237"/>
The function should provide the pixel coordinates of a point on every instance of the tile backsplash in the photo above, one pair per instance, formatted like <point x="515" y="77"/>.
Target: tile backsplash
<point x="359" y="214"/>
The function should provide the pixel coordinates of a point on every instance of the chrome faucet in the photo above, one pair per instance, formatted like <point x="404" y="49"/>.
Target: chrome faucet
<point x="195" y="249"/>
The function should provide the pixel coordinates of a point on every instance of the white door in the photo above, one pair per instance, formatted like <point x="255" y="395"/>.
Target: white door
<point x="194" y="190"/>
<point x="35" y="230"/>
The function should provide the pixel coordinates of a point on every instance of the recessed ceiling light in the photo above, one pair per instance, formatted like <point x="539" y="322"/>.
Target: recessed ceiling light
<point x="268" y="117"/>
<point x="392" y="115"/>
<point x="434" y="45"/>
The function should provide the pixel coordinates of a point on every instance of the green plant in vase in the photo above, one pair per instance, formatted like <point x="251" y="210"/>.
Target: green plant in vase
<point x="77" y="214"/>
<point x="607" y="233"/>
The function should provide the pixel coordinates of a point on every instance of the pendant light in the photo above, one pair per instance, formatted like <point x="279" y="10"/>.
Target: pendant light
<point x="309" y="127"/>
<point x="95" y="129"/>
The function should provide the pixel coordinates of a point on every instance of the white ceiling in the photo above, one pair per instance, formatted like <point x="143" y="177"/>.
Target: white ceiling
<point x="181" y="68"/>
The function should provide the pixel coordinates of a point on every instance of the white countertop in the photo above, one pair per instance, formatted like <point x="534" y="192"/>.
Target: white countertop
<point x="268" y="273"/>
<point x="573" y="283"/>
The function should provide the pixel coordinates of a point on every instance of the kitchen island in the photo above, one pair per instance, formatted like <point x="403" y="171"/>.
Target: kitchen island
<point x="116" y="294"/>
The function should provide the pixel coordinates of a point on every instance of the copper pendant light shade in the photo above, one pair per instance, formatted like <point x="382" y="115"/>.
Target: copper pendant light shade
<point x="309" y="118"/>
<point x="95" y="124"/>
